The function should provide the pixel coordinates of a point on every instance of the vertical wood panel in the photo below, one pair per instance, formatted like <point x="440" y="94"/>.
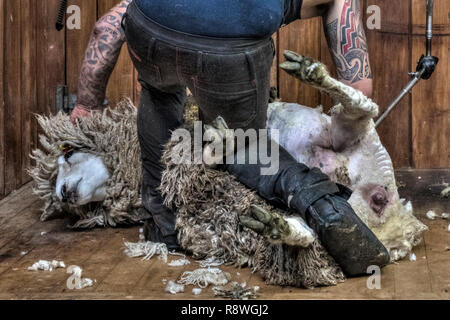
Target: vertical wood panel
<point x="28" y="81"/>
<point x="431" y="109"/>
<point x="77" y="41"/>
<point x="137" y="88"/>
<point x="274" y="71"/>
<point x="390" y="77"/>
<point x="13" y="145"/>
<point x="303" y="37"/>
<point x="2" y="101"/>
<point x="431" y="98"/>
<point x="50" y="54"/>
<point x="395" y="15"/>
<point x="121" y="83"/>
<point x="31" y="65"/>
<point x="390" y="56"/>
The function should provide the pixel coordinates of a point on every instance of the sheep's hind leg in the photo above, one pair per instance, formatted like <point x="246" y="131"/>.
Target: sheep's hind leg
<point x="277" y="229"/>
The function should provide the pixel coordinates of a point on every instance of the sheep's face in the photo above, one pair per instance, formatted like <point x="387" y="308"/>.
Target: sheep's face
<point x="82" y="179"/>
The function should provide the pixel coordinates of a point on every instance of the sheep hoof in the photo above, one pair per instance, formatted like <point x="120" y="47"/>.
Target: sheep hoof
<point x="219" y="127"/>
<point x="262" y="215"/>
<point x="252" y="224"/>
<point x="220" y="124"/>
<point x="304" y="68"/>
<point x="267" y="223"/>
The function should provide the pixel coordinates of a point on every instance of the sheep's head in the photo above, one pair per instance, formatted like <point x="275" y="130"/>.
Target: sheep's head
<point x="90" y="170"/>
<point x="82" y="179"/>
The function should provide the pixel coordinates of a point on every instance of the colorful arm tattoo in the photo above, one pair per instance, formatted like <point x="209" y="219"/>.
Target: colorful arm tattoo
<point x="101" y="57"/>
<point x="348" y="44"/>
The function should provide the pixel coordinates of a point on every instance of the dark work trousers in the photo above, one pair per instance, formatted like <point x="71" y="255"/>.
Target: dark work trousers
<point x="230" y="78"/>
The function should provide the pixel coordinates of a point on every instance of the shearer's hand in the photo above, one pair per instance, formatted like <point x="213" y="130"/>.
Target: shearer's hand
<point x="79" y="112"/>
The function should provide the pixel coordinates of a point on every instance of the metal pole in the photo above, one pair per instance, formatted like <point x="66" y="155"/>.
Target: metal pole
<point x="429" y="34"/>
<point x="417" y="75"/>
<point x="410" y="85"/>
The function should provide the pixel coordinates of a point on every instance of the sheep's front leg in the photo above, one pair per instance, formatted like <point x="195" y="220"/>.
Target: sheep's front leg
<point x="354" y="111"/>
<point x="277" y="229"/>
<point x="354" y="103"/>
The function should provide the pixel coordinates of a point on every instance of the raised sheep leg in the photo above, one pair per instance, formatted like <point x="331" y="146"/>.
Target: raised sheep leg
<point x="352" y="116"/>
<point x="277" y="229"/>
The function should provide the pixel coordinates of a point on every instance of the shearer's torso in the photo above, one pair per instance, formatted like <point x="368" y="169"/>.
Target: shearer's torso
<point x="221" y="18"/>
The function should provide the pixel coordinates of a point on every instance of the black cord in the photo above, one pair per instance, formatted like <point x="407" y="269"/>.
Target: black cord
<point x="61" y="15"/>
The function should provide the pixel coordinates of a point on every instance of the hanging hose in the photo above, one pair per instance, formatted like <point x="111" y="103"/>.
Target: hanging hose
<point x="425" y="67"/>
<point x="61" y="15"/>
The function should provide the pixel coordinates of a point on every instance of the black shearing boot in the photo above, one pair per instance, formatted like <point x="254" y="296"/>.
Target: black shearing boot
<point x="347" y="239"/>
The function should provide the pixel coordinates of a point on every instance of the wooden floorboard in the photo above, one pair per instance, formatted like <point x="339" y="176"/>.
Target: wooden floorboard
<point x="25" y="239"/>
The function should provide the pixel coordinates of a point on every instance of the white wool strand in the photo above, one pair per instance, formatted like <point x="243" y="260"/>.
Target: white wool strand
<point x="204" y="277"/>
<point x="146" y="250"/>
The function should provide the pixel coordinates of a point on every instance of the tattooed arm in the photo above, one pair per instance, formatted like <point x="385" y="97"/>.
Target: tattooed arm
<point x="101" y="56"/>
<point x="348" y="44"/>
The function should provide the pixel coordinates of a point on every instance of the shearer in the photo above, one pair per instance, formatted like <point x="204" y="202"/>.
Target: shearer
<point x="223" y="52"/>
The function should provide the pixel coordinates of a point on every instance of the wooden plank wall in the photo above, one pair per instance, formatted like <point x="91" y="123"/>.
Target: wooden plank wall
<point x="35" y="58"/>
<point x="31" y="64"/>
